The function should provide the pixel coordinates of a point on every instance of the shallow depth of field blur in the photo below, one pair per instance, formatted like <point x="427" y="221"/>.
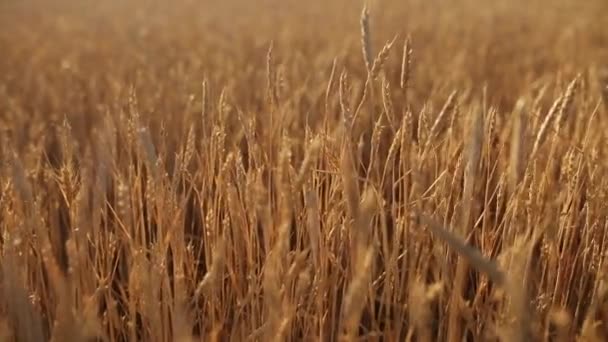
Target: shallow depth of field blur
<point x="270" y="170"/>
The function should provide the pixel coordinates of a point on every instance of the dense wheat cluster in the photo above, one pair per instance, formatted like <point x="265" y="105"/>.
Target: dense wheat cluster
<point x="269" y="170"/>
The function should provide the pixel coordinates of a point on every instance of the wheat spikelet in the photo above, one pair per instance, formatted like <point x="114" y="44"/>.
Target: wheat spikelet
<point x="123" y="201"/>
<point x="361" y="262"/>
<point x="347" y="116"/>
<point x="500" y="194"/>
<point x="189" y="149"/>
<point x="330" y="84"/>
<point x="491" y="123"/>
<point x="349" y="182"/>
<point x="387" y="102"/>
<point x="438" y="125"/>
<point x="372" y="74"/>
<point x="394" y="147"/>
<point x="204" y="100"/>
<point x="517" y="141"/>
<point x="65" y="136"/>
<point x="423" y="125"/>
<point x="419" y="299"/>
<point x="542" y="132"/>
<point x="366" y="43"/>
<point x="274" y="269"/>
<point x="518" y="312"/>
<point x="381" y="58"/>
<point x="473" y="155"/>
<point x="145" y="141"/>
<point x="567" y="99"/>
<point x="473" y="256"/>
<point x="406" y="64"/>
<point x="354" y="299"/>
<point x="314" y="229"/>
<point x="475" y="131"/>
<point x="270" y="76"/>
<point x="213" y="277"/>
<point x="375" y="140"/>
<point x="311" y="154"/>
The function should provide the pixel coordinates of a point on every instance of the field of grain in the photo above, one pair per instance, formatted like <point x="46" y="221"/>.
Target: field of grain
<point x="404" y="170"/>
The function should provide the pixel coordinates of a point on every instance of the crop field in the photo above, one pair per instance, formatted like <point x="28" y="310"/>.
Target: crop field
<point x="231" y="170"/>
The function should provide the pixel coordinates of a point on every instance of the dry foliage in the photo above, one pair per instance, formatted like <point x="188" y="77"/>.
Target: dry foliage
<point x="303" y="170"/>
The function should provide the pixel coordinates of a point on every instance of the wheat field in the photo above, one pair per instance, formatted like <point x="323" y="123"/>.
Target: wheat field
<point x="396" y="170"/>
